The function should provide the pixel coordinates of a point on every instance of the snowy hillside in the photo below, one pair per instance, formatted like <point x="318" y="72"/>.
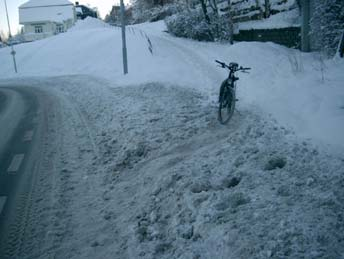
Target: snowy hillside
<point x="164" y="179"/>
<point x="285" y="83"/>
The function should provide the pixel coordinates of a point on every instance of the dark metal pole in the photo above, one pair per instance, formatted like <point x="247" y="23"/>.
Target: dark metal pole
<point x="8" y="20"/>
<point x="341" y="47"/>
<point x="305" y="28"/>
<point x="124" y="43"/>
<point x="13" y="53"/>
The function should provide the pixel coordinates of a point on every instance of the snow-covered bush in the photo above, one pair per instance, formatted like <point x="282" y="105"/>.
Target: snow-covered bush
<point x="189" y="25"/>
<point x="192" y="24"/>
<point x="143" y="14"/>
<point x="327" y="24"/>
<point x="160" y="13"/>
<point x="220" y="28"/>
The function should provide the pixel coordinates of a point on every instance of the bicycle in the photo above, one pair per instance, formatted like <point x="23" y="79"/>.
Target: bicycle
<point x="227" y="97"/>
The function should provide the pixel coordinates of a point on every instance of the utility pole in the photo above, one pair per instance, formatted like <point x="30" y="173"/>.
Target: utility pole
<point x="124" y="43"/>
<point x="13" y="53"/>
<point x="305" y="28"/>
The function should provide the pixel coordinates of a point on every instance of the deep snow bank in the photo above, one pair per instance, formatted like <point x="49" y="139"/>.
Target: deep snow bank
<point x="300" y="90"/>
<point x="88" y="24"/>
<point x="169" y="181"/>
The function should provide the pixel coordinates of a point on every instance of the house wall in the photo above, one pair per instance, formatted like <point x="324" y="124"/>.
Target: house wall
<point x="29" y="31"/>
<point x="49" y="29"/>
<point x="46" y="13"/>
<point x="69" y="23"/>
<point x="49" y="17"/>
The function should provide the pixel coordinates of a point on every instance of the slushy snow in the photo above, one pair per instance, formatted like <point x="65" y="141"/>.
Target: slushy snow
<point x="148" y="172"/>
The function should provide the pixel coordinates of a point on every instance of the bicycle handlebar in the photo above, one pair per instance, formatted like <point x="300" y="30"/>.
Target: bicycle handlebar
<point x="244" y="68"/>
<point x="223" y="65"/>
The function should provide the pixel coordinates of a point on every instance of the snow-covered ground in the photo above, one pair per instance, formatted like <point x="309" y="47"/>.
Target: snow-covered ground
<point x="281" y="20"/>
<point x="166" y="179"/>
<point x="302" y="91"/>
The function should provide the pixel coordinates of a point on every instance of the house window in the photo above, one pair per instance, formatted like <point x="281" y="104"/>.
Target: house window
<point x="38" y="29"/>
<point x="59" y="28"/>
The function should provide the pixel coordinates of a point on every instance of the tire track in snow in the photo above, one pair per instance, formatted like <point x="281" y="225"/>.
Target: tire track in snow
<point x="191" y="57"/>
<point x="77" y="153"/>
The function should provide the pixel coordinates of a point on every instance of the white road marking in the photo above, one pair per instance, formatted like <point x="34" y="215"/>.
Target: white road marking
<point x="3" y="200"/>
<point x="15" y="164"/>
<point x="28" y="136"/>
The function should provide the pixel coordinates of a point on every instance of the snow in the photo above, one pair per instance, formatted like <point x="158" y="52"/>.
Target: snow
<point x="144" y="169"/>
<point x="89" y="23"/>
<point x="42" y="11"/>
<point x="281" y="20"/>
<point x="296" y="94"/>
<point x="147" y="171"/>
<point x="283" y="5"/>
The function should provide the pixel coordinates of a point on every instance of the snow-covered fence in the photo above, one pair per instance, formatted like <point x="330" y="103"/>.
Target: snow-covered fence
<point x="138" y="33"/>
<point x="143" y="34"/>
<point x="248" y="10"/>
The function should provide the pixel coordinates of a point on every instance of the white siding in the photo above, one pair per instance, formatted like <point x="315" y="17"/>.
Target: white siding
<point x="46" y="13"/>
<point x="31" y="35"/>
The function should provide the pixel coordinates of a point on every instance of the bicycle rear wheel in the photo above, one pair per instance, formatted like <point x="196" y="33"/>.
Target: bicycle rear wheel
<point x="226" y="103"/>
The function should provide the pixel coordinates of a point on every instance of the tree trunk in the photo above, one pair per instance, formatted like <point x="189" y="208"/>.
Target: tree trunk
<point x="205" y="12"/>
<point x="267" y="9"/>
<point x="230" y="22"/>
<point x="341" y="47"/>
<point x="213" y="6"/>
<point x="187" y="3"/>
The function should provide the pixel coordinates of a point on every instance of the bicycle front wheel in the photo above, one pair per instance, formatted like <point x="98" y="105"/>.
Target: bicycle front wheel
<point x="226" y="103"/>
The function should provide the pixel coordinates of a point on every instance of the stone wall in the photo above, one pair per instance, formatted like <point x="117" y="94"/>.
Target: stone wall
<point x="290" y="37"/>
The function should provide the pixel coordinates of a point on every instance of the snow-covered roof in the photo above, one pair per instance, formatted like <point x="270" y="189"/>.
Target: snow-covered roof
<point x="40" y="3"/>
<point x="46" y="10"/>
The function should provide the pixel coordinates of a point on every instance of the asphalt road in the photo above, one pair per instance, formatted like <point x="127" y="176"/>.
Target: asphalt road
<point x="22" y="132"/>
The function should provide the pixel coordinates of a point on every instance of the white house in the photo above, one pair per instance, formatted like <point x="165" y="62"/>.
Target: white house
<point x="44" y="18"/>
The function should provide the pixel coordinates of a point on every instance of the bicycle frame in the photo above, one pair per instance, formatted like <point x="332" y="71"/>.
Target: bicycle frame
<point x="227" y="96"/>
<point x="231" y="79"/>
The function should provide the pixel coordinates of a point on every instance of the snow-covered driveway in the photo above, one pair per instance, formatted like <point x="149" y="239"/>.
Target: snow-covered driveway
<point x="147" y="172"/>
<point x="142" y="169"/>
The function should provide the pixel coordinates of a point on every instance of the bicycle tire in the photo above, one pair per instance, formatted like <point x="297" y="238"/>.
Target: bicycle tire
<point x="226" y="103"/>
